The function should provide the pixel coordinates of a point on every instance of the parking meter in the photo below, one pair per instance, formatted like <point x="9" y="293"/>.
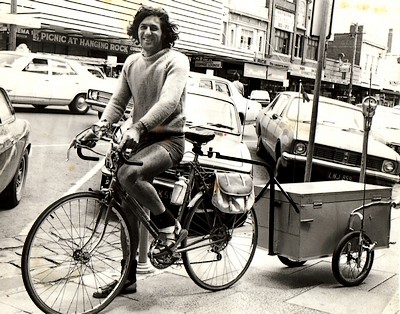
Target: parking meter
<point x="369" y="105"/>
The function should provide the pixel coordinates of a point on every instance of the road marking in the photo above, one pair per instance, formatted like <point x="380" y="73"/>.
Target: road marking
<point x="86" y="177"/>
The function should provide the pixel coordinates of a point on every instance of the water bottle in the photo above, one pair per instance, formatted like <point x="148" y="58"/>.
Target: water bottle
<point x="178" y="193"/>
<point x="105" y="178"/>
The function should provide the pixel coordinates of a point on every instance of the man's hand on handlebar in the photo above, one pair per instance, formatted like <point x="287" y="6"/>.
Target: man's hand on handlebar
<point x="130" y="138"/>
<point x="92" y="135"/>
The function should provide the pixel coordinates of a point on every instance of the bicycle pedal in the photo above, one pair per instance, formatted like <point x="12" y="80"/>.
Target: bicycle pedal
<point x="182" y="235"/>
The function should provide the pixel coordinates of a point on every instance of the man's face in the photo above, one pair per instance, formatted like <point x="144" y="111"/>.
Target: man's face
<point x="150" y="35"/>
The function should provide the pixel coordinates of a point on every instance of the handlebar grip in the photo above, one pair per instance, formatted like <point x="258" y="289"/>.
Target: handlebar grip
<point x="84" y="157"/>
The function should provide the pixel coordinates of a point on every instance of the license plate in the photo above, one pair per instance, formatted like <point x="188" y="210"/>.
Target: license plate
<point x="339" y="176"/>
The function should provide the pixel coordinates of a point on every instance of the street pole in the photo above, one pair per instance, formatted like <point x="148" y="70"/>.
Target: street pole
<point x="354" y="36"/>
<point x="317" y="87"/>
<point x="13" y="28"/>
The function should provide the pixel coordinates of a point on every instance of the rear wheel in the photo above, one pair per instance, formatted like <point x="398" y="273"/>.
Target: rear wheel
<point x="79" y="105"/>
<point x="220" y="246"/>
<point x="74" y="248"/>
<point x="352" y="259"/>
<point x="12" y="194"/>
<point x="291" y="262"/>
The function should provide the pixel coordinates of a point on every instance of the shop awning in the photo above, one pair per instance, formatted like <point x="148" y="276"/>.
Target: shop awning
<point x="19" y="19"/>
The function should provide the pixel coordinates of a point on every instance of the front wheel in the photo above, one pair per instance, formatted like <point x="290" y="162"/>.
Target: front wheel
<point x="220" y="247"/>
<point x="75" y="247"/>
<point x="79" y="105"/>
<point x="352" y="259"/>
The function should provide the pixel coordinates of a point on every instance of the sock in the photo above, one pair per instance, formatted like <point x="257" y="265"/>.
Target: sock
<point x="165" y="221"/>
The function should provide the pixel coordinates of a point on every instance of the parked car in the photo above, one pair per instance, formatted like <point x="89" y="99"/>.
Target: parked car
<point x="385" y="126"/>
<point x="14" y="153"/>
<point x="210" y="110"/>
<point x="283" y="130"/>
<point x="42" y="80"/>
<point x="261" y="96"/>
<point x="98" y="99"/>
<point x="248" y="109"/>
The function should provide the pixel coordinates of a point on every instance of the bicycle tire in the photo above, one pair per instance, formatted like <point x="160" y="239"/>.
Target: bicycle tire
<point x="229" y="243"/>
<point x="349" y="267"/>
<point x="60" y="274"/>
<point x="290" y="262"/>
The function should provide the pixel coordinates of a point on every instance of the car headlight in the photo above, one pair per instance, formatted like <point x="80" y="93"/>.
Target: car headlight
<point x="388" y="166"/>
<point x="300" y="148"/>
<point x="93" y="94"/>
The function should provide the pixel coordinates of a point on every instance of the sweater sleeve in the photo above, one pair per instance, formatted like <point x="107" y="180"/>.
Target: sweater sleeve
<point x="177" y="71"/>
<point x="119" y="100"/>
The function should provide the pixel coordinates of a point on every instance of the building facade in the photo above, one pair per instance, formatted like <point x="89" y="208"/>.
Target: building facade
<point x="270" y="43"/>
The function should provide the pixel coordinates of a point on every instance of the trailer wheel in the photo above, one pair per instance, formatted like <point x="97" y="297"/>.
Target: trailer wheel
<point x="291" y="262"/>
<point x="352" y="259"/>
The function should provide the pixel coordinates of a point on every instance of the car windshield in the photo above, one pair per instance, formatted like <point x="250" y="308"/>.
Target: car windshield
<point x="386" y="118"/>
<point x="210" y="113"/>
<point x="9" y="60"/>
<point x="260" y="94"/>
<point x="328" y="113"/>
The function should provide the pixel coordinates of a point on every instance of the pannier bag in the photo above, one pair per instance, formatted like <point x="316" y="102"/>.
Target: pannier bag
<point x="233" y="192"/>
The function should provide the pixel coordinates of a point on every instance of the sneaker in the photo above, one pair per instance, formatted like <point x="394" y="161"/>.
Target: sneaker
<point x="104" y="291"/>
<point x="169" y="238"/>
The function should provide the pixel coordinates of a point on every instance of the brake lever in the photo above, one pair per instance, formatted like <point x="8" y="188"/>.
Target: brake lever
<point x="72" y="145"/>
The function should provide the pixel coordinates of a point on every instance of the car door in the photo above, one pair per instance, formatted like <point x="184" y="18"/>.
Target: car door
<point x="272" y="120"/>
<point x="65" y="82"/>
<point x="7" y="147"/>
<point x="33" y="83"/>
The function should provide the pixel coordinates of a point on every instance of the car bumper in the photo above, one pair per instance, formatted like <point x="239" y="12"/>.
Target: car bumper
<point x="96" y="105"/>
<point x="342" y="171"/>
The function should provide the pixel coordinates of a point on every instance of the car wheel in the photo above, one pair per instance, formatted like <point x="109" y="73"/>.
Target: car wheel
<point x="260" y="149"/>
<point x="12" y="194"/>
<point x="241" y="117"/>
<point x="79" y="105"/>
<point x="281" y="173"/>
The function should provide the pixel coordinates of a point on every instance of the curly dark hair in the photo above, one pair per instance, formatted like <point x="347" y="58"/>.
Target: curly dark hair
<point x="169" y="30"/>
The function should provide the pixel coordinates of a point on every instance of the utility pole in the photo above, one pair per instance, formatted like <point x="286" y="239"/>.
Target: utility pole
<point x="317" y="87"/>
<point x="353" y="33"/>
<point x="12" y="44"/>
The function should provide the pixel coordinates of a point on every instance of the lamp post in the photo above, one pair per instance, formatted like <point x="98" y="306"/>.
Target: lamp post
<point x="12" y="44"/>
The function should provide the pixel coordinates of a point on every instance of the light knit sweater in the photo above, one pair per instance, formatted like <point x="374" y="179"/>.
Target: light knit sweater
<point x="157" y="86"/>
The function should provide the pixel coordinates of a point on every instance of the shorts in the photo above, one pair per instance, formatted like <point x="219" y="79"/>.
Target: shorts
<point x="174" y="144"/>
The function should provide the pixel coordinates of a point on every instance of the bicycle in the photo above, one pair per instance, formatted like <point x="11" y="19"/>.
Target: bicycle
<point x="77" y="243"/>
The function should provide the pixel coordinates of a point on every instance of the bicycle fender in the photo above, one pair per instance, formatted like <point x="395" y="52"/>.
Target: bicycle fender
<point x="194" y="200"/>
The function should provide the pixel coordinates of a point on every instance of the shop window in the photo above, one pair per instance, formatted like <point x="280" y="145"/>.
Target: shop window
<point x="298" y="47"/>
<point x="282" y="41"/>
<point x="223" y="35"/>
<point x="312" y="49"/>
<point x="246" y="39"/>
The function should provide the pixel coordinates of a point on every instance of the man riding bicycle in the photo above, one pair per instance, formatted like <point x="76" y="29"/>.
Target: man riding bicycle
<point x="155" y="79"/>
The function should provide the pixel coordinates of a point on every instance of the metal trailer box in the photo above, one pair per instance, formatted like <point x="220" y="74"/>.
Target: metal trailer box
<point x="325" y="209"/>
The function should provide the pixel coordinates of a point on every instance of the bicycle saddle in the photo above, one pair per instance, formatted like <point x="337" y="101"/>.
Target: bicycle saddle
<point x="200" y="137"/>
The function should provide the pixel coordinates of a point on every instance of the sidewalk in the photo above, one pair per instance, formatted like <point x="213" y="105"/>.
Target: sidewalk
<point x="267" y="287"/>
